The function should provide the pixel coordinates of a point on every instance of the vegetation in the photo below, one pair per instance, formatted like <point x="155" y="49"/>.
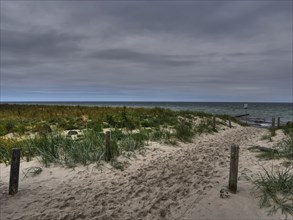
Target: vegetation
<point x="267" y="137"/>
<point x="132" y="129"/>
<point x="288" y="128"/>
<point x="283" y="149"/>
<point x="272" y="132"/>
<point x="275" y="190"/>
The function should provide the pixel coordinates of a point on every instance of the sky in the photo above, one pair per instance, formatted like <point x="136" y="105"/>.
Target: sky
<point x="223" y="51"/>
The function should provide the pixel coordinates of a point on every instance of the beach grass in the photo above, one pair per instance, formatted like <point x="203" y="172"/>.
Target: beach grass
<point x="131" y="128"/>
<point x="288" y="128"/>
<point x="283" y="149"/>
<point x="275" y="191"/>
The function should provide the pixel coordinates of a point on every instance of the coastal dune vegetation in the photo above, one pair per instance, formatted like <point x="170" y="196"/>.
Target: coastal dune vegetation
<point x="71" y="135"/>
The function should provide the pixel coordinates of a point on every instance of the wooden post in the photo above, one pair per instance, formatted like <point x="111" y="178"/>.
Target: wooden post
<point x="214" y="122"/>
<point x="108" y="153"/>
<point x="279" y="122"/>
<point x="273" y="123"/>
<point x="230" y="123"/>
<point x="233" y="176"/>
<point x="14" y="171"/>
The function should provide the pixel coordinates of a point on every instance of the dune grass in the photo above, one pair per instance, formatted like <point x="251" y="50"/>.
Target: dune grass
<point x="283" y="149"/>
<point x="288" y="128"/>
<point x="132" y="129"/>
<point x="275" y="191"/>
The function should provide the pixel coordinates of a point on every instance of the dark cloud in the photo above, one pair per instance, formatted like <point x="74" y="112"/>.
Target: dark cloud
<point x="39" y="43"/>
<point x="147" y="58"/>
<point x="146" y="50"/>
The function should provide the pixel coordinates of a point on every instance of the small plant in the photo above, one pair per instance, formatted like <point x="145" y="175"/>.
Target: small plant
<point x="283" y="149"/>
<point x="184" y="131"/>
<point x="272" y="132"/>
<point x="117" y="165"/>
<point x="266" y="137"/>
<point x="9" y="126"/>
<point x="163" y="136"/>
<point x="32" y="171"/>
<point x="43" y="129"/>
<point x="132" y="142"/>
<point x="95" y="126"/>
<point x="288" y="128"/>
<point x="205" y="126"/>
<point x="269" y="155"/>
<point x="6" y="146"/>
<point x="274" y="189"/>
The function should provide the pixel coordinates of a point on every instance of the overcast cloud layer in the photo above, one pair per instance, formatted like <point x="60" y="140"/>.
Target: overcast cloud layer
<point x="146" y="51"/>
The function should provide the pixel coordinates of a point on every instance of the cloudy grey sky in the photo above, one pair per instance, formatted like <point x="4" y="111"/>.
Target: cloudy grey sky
<point x="146" y="51"/>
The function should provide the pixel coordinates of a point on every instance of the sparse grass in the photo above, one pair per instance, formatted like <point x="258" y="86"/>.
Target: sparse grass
<point x="274" y="189"/>
<point x="283" y="149"/>
<point x="266" y="137"/>
<point x="117" y="165"/>
<point x="272" y="132"/>
<point x="205" y="126"/>
<point x="288" y="128"/>
<point x="32" y="171"/>
<point x="270" y="155"/>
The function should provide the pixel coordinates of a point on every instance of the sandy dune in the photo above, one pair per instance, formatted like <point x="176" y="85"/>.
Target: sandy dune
<point x="165" y="182"/>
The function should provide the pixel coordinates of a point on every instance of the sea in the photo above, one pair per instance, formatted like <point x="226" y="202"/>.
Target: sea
<point x="260" y="112"/>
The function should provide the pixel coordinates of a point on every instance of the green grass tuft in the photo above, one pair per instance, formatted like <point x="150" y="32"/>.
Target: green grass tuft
<point x="274" y="189"/>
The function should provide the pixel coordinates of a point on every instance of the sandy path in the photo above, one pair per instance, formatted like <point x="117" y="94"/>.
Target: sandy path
<point x="243" y="205"/>
<point x="168" y="182"/>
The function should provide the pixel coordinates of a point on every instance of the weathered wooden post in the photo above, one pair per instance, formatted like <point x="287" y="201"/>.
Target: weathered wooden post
<point x="273" y="123"/>
<point x="279" y="122"/>
<point x="14" y="171"/>
<point x="234" y="160"/>
<point x="230" y="123"/>
<point x="214" y="122"/>
<point x="108" y="153"/>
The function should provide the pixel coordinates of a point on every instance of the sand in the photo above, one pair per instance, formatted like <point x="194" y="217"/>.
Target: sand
<point x="163" y="182"/>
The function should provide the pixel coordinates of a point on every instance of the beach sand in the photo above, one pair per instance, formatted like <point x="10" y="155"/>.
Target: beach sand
<point x="162" y="182"/>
